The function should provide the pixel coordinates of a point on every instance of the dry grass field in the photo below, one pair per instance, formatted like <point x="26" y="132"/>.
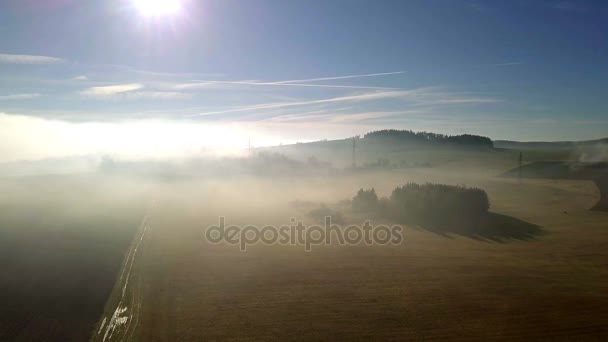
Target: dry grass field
<point x="62" y="239"/>
<point x="548" y="284"/>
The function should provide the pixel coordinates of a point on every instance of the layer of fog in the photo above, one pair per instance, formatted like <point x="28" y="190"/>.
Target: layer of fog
<point x="30" y="138"/>
<point x="33" y="138"/>
<point x="595" y="153"/>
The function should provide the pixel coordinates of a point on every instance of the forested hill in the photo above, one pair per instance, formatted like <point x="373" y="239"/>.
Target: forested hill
<point x="394" y="135"/>
<point x="374" y="148"/>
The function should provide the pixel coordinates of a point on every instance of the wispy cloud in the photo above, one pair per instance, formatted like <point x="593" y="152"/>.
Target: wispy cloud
<point x="339" y="77"/>
<point x="203" y="84"/>
<point x="81" y="78"/>
<point x="29" y="59"/>
<point x="295" y="83"/>
<point x="420" y="100"/>
<point x="329" y="116"/>
<point x="465" y="100"/>
<point x="105" y="91"/>
<point x="125" y="69"/>
<point x="131" y="92"/>
<point x="18" y="97"/>
<point x="359" y="97"/>
<point x="155" y="95"/>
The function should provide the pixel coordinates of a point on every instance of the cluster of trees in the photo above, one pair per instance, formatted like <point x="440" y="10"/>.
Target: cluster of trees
<point x="415" y="203"/>
<point x="431" y="201"/>
<point x="366" y="200"/>
<point x="411" y="136"/>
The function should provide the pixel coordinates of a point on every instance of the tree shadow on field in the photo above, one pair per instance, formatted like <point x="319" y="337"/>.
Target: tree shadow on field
<point x="490" y="227"/>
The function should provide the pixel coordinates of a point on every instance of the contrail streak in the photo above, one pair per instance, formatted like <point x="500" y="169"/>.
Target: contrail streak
<point x="203" y="83"/>
<point x="339" y="77"/>
<point x="361" y="97"/>
<point x="297" y="83"/>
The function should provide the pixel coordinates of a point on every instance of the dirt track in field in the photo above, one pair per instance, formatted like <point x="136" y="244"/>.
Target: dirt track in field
<point x="121" y="315"/>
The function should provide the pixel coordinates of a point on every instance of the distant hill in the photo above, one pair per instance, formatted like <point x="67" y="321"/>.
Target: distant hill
<point x="397" y="140"/>
<point x="546" y="145"/>
<point x="387" y="148"/>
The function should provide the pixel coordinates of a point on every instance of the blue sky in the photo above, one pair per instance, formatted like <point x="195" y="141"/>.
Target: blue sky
<point x="525" y="70"/>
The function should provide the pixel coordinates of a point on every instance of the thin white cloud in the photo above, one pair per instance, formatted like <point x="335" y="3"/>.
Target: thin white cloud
<point x="357" y="117"/>
<point x="29" y="59"/>
<point x="295" y="83"/>
<point x="466" y="100"/>
<point x="81" y="78"/>
<point x="130" y="92"/>
<point x="204" y="84"/>
<point x="333" y="117"/>
<point x="106" y="91"/>
<point x="418" y="100"/>
<point x="18" y="97"/>
<point x="155" y="95"/>
<point x="125" y="69"/>
<point x="339" y="77"/>
<point x="350" y="98"/>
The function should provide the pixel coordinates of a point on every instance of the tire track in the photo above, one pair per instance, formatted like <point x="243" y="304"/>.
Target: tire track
<point x="121" y="324"/>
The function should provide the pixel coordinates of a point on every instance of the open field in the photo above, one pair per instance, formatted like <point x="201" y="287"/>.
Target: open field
<point x="62" y="240"/>
<point x="116" y="258"/>
<point x="549" y="283"/>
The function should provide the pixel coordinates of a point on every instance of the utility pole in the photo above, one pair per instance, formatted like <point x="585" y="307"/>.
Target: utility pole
<point x="354" y="154"/>
<point x="521" y="158"/>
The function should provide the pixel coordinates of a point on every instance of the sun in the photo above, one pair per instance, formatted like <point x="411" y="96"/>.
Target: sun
<point x="157" y="8"/>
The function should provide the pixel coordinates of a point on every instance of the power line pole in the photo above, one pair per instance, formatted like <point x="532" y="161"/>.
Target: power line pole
<point x="521" y="158"/>
<point x="354" y="154"/>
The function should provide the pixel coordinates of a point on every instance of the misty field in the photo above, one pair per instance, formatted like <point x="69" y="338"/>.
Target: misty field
<point x="113" y="256"/>
<point x="541" y="272"/>
<point x="62" y="240"/>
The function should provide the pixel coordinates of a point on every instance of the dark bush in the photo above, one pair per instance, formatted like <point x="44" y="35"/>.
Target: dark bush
<point x="365" y="201"/>
<point x="437" y="202"/>
<point x="445" y="210"/>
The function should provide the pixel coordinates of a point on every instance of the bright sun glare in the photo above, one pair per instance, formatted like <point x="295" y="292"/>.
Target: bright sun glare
<point x="157" y="8"/>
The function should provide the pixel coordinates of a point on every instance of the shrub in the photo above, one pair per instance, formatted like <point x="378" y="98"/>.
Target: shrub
<point x="436" y="202"/>
<point x="365" y="201"/>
